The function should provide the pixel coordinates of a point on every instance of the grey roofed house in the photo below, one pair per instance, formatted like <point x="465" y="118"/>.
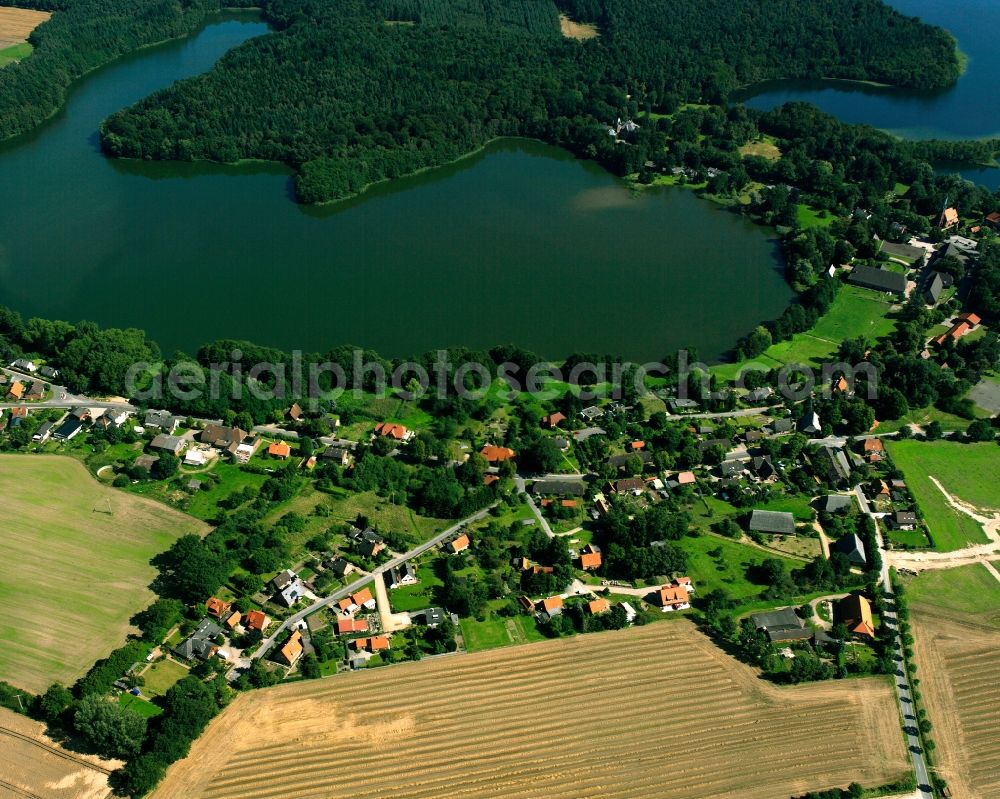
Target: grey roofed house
<point x="341" y="567"/>
<point x="952" y="250"/>
<point x="772" y="521"/>
<point x="163" y="420"/>
<point x="172" y="444"/>
<point x="200" y="643"/>
<point x="732" y="468"/>
<point x="760" y="394"/>
<point x="48" y="372"/>
<point x="399" y="575"/>
<point x="282" y="579"/>
<point x="617" y="461"/>
<point x="878" y="279"/>
<point x="68" y="429"/>
<point x="43" y="432"/>
<point x="782" y="625"/>
<point x="809" y="424"/>
<point x="905" y="518"/>
<point x="763" y="467"/>
<point x="291" y="593"/>
<point x="336" y="454"/>
<point x="837" y="503"/>
<point x="559" y="488"/>
<point x="933" y="289"/>
<point x="591" y="412"/>
<point x="430" y="617"/>
<point x="851" y="546"/>
<point x="782" y="426"/>
<point x="838" y="470"/>
<point x="753" y="436"/>
<point x="222" y="437"/>
<point x="677" y="405"/>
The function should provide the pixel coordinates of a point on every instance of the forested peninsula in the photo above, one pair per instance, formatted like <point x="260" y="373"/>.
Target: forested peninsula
<point x="353" y="92"/>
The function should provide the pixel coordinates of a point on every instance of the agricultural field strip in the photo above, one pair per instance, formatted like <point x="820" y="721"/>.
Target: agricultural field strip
<point x="18" y="791"/>
<point x="53" y="750"/>
<point x="693" y="748"/>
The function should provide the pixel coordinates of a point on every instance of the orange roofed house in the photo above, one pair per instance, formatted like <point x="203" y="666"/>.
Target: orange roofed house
<point x="460" y="544"/>
<point x="292" y="650"/>
<point x="553" y="419"/>
<point x="948" y="218"/>
<point x="374" y="644"/>
<point x="496" y="454"/>
<point x="256" y="620"/>
<point x="598" y="606"/>
<point x="350" y="626"/>
<point x="396" y="432"/>
<point x="364" y="599"/>
<point x="670" y="597"/>
<point x="279" y="449"/>
<point x="856" y="613"/>
<point x="590" y="558"/>
<point x="216" y="607"/>
<point x="874" y="449"/>
<point x="16" y="390"/>
<point x="552" y="606"/>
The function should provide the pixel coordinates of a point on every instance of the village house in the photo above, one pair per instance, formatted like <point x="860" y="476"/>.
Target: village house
<point x="364" y="599"/>
<point x="351" y="626"/>
<point x="279" y="449"/>
<point x="905" y="520"/>
<point x="143" y="463"/>
<point x="459" y="544"/>
<point x="933" y="287"/>
<point x="809" y="424"/>
<point x="948" y="218"/>
<point x="965" y="323"/>
<point x="290" y="653"/>
<point x="772" y="522"/>
<point x="779" y="426"/>
<point x="288" y="588"/>
<point x="16" y="391"/>
<point x="495" y="455"/>
<point x="782" y="625"/>
<point x="591" y="413"/>
<point x="256" y="620"/>
<point x="837" y="503"/>
<point x="217" y="607"/>
<point x="428" y="617"/>
<point x="338" y="455"/>
<point x="993" y="221"/>
<point x="870" y="277"/>
<point x="590" y="558"/>
<point x="295" y="412"/>
<point x="22" y="365"/>
<point x="42" y="433"/>
<point x="874" y="449"/>
<point x="201" y="644"/>
<point x="35" y="392"/>
<point x="172" y="444"/>
<point x="855" y="611"/>
<point x="340" y="567"/>
<point x="630" y="485"/>
<point x="670" y="598"/>
<point x="396" y="432"/>
<point x="598" y="606"/>
<point x="833" y="461"/>
<point x="162" y="420"/>
<point x="398" y="576"/>
<point x="68" y="430"/>
<point x="549" y="607"/>
<point x="368" y="543"/>
<point x="851" y="547"/>
<point x="553" y="420"/>
<point x="221" y="437"/>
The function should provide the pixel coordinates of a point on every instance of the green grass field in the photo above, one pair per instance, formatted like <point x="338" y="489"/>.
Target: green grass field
<point x="72" y="575"/>
<point x="855" y="313"/>
<point x="17" y="52"/>
<point x="161" y="676"/>
<point x="967" y="473"/>
<point x="419" y="596"/>
<point x="728" y="568"/>
<point x="966" y="589"/>
<point x="808" y="217"/>
<point x="385" y="515"/>
<point x="497" y="631"/>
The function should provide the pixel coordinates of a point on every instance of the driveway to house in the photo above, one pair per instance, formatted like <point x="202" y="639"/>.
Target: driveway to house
<point x="901" y="681"/>
<point x="519" y="482"/>
<point x="390" y="621"/>
<point x="361" y="582"/>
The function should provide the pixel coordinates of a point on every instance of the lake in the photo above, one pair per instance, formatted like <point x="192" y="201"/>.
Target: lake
<point x="520" y="243"/>
<point x="968" y="110"/>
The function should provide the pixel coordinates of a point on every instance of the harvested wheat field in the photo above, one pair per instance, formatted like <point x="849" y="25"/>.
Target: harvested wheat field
<point x="959" y="675"/>
<point x="651" y="712"/>
<point x="32" y="765"/>
<point x="17" y="23"/>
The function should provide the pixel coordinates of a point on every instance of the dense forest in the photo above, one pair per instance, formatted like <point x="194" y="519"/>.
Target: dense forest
<point x="81" y="36"/>
<point x="349" y="99"/>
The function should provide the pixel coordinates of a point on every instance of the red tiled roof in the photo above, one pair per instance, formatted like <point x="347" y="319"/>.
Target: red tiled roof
<point x="255" y="620"/>
<point x="390" y="430"/>
<point x="279" y="449"/>
<point x="590" y="560"/>
<point x="495" y="454"/>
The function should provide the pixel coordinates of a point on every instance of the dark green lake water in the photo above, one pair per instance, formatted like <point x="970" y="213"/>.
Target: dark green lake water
<point x="520" y="243"/>
<point x="968" y="110"/>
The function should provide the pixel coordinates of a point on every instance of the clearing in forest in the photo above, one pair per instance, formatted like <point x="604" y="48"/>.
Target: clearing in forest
<point x="577" y="30"/>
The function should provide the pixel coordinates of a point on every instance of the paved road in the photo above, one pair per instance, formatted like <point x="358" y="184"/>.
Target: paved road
<point x="361" y="582"/>
<point x="519" y="481"/>
<point x="904" y="691"/>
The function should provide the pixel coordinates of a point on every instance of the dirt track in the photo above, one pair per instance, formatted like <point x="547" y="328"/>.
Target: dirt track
<point x="653" y="712"/>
